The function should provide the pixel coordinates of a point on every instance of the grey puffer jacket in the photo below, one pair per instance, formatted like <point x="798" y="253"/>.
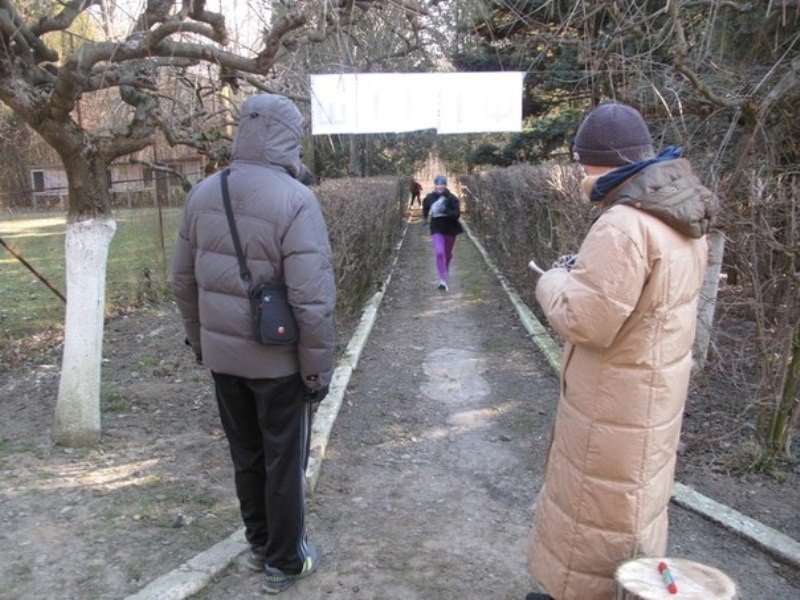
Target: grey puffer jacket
<point x="284" y="239"/>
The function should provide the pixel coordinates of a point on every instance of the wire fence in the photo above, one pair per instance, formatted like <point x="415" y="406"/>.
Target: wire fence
<point x="165" y="189"/>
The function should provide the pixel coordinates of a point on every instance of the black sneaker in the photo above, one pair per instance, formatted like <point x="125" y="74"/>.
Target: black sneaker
<point x="276" y="581"/>
<point x="538" y="596"/>
<point x="256" y="558"/>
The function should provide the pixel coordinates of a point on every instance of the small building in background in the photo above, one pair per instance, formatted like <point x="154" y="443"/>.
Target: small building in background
<point x="132" y="182"/>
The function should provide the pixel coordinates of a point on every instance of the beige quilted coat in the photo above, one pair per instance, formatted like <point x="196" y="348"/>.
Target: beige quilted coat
<point x="627" y="313"/>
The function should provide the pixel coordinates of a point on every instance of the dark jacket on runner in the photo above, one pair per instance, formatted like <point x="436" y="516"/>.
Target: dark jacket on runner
<point x="444" y="215"/>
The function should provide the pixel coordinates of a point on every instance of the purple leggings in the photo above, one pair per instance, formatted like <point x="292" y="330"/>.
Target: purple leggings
<point x="443" y="247"/>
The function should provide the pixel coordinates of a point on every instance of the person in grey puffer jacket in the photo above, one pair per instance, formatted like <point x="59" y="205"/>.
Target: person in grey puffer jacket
<point x="264" y="392"/>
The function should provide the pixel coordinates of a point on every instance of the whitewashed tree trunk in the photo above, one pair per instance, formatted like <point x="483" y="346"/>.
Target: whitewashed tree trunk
<point x="708" y="298"/>
<point x="77" y="417"/>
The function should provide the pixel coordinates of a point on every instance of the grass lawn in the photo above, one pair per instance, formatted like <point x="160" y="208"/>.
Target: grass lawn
<point x="136" y="270"/>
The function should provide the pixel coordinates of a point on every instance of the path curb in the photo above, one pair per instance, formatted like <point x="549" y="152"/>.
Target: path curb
<point x="774" y="542"/>
<point x="195" y="574"/>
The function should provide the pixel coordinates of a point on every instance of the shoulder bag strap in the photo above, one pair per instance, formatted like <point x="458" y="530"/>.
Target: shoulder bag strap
<point x="244" y="272"/>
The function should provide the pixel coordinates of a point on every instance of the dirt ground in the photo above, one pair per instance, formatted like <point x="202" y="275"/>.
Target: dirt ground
<point x="426" y="490"/>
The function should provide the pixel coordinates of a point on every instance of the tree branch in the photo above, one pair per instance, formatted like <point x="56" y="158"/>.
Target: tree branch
<point x="63" y="19"/>
<point x="13" y="26"/>
<point x="172" y="27"/>
<point x="275" y="39"/>
<point x="680" y="51"/>
<point x="141" y="129"/>
<point x="786" y="84"/>
<point x="196" y="10"/>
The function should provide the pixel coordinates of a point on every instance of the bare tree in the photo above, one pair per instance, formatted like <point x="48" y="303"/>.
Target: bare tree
<point x="44" y="81"/>
<point x="386" y="40"/>
<point x="720" y="78"/>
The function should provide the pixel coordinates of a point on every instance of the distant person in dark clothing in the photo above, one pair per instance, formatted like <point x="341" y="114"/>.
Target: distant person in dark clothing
<point x="444" y="210"/>
<point x="415" y="187"/>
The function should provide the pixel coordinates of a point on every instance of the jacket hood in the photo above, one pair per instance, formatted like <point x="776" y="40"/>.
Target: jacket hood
<point x="672" y="193"/>
<point x="270" y="130"/>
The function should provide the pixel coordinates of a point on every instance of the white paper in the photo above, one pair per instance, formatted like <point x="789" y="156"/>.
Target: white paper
<point x="396" y="102"/>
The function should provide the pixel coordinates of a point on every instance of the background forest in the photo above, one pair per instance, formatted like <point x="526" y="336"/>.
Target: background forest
<point x="91" y="83"/>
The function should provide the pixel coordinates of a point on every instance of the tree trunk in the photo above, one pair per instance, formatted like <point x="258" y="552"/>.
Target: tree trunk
<point x="787" y="409"/>
<point x="708" y="298"/>
<point x="369" y="155"/>
<point x="356" y="163"/>
<point x="90" y="228"/>
<point x="640" y="579"/>
<point x="77" y="418"/>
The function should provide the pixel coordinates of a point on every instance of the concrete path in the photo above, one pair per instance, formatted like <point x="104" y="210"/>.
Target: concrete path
<point x="470" y="326"/>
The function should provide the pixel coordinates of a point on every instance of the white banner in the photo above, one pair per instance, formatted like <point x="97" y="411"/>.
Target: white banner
<point x="396" y="102"/>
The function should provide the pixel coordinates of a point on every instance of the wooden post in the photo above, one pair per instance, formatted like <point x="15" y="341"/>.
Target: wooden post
<point x="640" y="579"/>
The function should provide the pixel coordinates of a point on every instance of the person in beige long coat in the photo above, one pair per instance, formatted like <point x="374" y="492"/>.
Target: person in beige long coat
<point x="626" y="309"/>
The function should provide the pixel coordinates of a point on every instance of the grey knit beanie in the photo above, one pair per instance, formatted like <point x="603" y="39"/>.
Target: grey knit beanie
<point x="612" y="135"/>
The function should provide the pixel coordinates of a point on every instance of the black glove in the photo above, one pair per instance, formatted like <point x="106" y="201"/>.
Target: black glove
<point x="312" y="396"/>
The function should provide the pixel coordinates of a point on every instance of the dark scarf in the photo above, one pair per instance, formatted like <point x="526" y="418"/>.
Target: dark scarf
<point x="610" y="180"/>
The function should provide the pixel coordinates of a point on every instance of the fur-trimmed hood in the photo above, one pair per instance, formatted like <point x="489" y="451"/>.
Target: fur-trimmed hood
<point x="669" y="191"/>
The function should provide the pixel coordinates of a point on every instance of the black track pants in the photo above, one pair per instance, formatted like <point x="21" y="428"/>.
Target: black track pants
<point x="268" y="427"/>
